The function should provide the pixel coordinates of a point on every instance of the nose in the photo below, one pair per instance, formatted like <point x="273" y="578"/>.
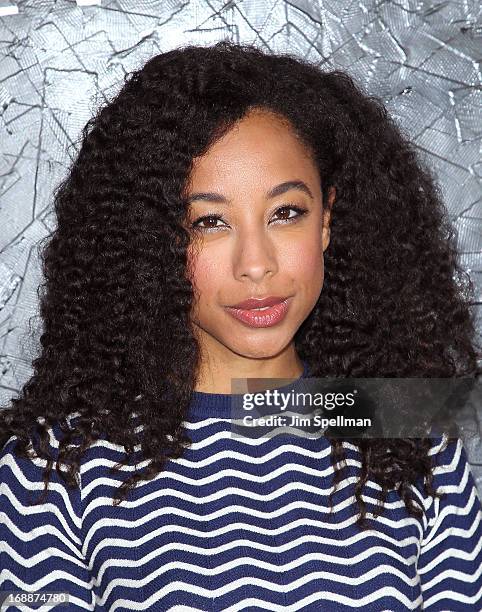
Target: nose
<point x="254" y="256"/>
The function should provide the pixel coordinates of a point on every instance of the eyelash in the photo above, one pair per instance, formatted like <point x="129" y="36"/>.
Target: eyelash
<point x="301" y="212"/>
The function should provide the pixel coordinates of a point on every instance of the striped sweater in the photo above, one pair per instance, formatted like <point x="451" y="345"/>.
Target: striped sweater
<point x="239" y="524"/>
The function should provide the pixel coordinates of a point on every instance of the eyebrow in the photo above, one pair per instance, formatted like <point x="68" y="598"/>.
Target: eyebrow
<point x="211" y="196"/>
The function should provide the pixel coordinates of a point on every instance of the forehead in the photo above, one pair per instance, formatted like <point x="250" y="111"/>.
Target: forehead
<point x="262" y="148"/>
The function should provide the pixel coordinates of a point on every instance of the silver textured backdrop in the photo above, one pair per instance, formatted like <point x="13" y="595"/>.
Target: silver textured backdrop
<point x="60" y="58"/>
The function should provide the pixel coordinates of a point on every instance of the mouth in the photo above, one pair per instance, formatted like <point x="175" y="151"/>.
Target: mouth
<point x="266" y="316"/>
<point x="258" y="303"/>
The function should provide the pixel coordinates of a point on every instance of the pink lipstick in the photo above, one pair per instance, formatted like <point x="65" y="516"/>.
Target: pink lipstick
<point x="266" y="316"/>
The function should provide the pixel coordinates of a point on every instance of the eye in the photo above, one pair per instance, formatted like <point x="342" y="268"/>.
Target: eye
<point x="214" y="217"/>
<point x="299" y="213"/>
<point x="210" y="217"/>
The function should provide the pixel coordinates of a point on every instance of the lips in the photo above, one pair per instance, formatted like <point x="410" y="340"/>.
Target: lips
<point x="252" y="303"/>
<point x="269" y="316"/>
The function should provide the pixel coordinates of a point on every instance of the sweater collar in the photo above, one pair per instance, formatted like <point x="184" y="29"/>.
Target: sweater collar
<point x="219" y="405"/>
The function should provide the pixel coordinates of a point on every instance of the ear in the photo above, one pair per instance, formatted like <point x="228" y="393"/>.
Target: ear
<point x="326" y="216"/>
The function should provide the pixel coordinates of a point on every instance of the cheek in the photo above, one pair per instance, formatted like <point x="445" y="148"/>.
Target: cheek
<point x="305" y="261"/>
<point x="311" y="262"/>
<point x="208" y="274"/>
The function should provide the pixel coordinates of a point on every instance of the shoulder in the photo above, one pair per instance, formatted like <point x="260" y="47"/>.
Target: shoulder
<point x="449" y="460"/>
<point x="451" y="476"/>
<point x="453" y="480"/>
<point x="451" y="471"/>
<point x="25" y="471"/>
<point x="25" y="499"/>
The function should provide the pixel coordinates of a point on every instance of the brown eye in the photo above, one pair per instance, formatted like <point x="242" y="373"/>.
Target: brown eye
<point x="212" y="218"/>
<point x="300" y="212"/>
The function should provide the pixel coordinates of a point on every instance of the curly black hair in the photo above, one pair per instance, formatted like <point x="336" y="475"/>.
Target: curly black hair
<point x="117" y="296"/>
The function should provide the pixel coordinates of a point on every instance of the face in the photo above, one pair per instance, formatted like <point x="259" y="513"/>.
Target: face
<point x="260" y="243"/>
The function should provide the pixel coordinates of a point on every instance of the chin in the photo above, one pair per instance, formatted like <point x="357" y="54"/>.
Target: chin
<point x="260" y="347"/>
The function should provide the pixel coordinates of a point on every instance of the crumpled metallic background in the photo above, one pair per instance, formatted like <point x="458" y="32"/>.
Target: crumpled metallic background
<point x="60" y="58"/>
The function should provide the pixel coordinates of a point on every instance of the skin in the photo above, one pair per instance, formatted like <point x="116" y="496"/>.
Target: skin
<point x="252" y="252"/>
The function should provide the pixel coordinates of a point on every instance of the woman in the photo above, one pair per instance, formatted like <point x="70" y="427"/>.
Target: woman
<point x="219" y="175"/>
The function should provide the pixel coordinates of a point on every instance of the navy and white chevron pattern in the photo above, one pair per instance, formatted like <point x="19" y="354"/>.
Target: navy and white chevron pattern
<point x="240" y="524"/>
